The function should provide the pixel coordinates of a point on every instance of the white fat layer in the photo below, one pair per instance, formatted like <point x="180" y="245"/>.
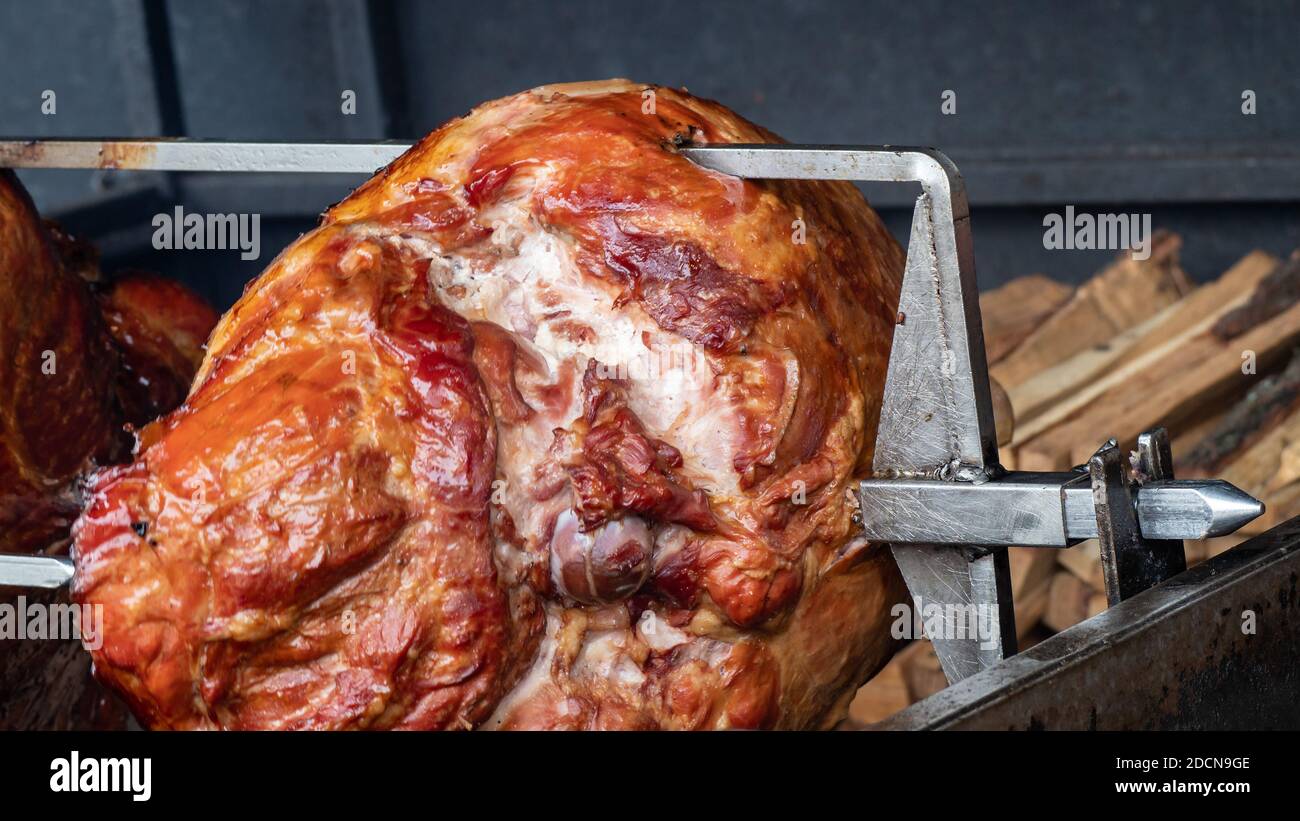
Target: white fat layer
<point x="605" y="655"/>
<point x="658" y="634"/>
<point x="536" y="289"/>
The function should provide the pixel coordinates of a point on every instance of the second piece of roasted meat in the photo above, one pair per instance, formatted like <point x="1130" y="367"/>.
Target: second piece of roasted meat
<point x="81" y="355"/>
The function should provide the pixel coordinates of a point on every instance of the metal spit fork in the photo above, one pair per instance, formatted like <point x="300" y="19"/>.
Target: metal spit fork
<point x="940" y="497"/>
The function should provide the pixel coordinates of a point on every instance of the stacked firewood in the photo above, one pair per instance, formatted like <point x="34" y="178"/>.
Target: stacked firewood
<point x="1136" y="346"/>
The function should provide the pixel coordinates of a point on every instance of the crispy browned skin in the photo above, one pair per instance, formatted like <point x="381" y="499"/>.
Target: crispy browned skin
<point x="545" y="426"/>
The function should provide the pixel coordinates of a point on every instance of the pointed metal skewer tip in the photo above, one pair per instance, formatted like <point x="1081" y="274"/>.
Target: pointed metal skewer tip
<point x="1194" y="509"/>
<point x="35" y="571"/>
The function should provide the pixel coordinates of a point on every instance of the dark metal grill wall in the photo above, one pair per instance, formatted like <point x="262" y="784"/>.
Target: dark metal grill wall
<point x="1109" y="106"/>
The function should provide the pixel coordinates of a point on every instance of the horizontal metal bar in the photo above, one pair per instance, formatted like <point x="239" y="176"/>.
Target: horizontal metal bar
<point x="202" y="155"/>
<point x="863" y="163"/>
<point x="858" y="163"/>
<point x="1042" y="510"/>
<point x="1105" y="175"/>
<point x="1000" y="178"/>
<point x="1006" y="511"/>
<point x="1211" y="648"/>
<point x="35" y="571"/>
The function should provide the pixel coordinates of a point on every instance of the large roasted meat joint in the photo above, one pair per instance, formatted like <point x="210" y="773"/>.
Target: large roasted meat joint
<point x="543" y="427"/>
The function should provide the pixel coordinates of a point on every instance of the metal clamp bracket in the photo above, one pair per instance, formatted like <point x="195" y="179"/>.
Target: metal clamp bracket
<point x="939" y="496"/>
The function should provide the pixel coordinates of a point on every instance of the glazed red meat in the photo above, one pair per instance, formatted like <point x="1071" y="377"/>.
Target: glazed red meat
<point x="545" y="426"/>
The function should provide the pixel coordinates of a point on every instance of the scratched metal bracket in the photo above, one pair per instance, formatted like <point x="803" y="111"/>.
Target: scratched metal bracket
<point x="936" y="422"/>
<point x="939" y="495"/>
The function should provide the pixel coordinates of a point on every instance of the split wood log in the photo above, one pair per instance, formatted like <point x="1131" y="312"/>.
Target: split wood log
<point x="1004" y="417"/>
<point x="923" y="672"/>
<point x="1050" y="385"/>
<point x="1186" y="383"/>
<point x="1259" y="411"/>
<point x="1084" y="561"/>
<point x="1012" y="311"/>
<point x="1031" y="574"/>
<point x="1279" y="289"/>
<point x="1121" y="296"/>
<point x="1270" y="469"/>
<point x="1193" y="317"/>
<point x="1070" y="601"/>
